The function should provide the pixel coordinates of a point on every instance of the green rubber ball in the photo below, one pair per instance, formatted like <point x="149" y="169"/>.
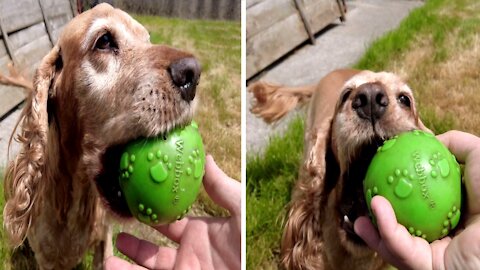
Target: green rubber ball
<point x="419" y="176"/>
<point x="160" y="178"/>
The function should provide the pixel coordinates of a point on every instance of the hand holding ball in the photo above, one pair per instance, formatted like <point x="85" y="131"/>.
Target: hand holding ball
<point x="421" y="179"/>
<point x="160" y="178"/>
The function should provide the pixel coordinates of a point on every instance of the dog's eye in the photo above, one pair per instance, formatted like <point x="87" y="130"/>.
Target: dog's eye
<point x="403" y="99"/>
<point x="106" y="42"/>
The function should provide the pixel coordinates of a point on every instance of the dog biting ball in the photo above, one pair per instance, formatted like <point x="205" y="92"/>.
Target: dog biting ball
<point x="160" y="177"/>
<point x="421" y="179"/>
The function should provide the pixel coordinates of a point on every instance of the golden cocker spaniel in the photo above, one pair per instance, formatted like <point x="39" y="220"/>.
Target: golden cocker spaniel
<point x="102" y="85"/>
<point x="350" y="114"/>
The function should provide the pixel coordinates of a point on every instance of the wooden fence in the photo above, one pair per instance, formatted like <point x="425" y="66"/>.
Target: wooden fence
<point x="189" y="9"/>
<point x="275" y="27"/>
<point x="28" y="29"/>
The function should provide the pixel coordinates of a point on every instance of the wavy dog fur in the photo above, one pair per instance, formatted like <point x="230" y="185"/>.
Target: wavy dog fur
<point x="274" y="101"/>
<point x="23" y="176"/>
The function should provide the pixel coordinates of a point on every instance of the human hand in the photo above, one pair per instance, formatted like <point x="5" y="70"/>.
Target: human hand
<point x="204" y="242"/>
<point x="395" y="244"/>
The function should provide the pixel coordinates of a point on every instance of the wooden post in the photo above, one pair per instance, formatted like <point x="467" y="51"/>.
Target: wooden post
<point x="343" y="9"/>
<point x="45" y="21"/>
<point x="73" y="6"/>
<point x="308" y="28"/>
<point x="8" y="45"/>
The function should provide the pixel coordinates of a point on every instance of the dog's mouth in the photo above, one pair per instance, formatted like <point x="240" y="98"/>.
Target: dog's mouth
<point x="107" y="181"/>
<point x="352" y="200"/>
<point x="108" y="184"/>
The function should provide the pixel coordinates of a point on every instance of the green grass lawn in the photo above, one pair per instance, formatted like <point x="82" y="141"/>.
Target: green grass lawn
<point x="217" y="45"/>
<point x="437" y="49"/>
<point x="4" y="250"/>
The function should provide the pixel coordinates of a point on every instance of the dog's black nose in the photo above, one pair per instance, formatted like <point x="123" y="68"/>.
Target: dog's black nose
<point x="371" y="101"/>
<point x="185" y="74"/>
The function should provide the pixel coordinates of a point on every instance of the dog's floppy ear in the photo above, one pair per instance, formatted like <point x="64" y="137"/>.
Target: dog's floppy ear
<point x="302" y="238"/>
<point x="416" y="114"/>
<point x="422" y="126"/>
<point x="26" y="173"/>
<point x="419" y="121"/>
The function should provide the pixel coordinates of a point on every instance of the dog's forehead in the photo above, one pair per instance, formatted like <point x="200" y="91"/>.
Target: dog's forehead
<point x="103" y="16"/>
<point x="388" y="79"/>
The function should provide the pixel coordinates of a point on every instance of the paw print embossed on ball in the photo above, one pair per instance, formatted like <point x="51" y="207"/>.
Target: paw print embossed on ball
<point x="160" y="177"/>
<point x="421" y="179"/>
